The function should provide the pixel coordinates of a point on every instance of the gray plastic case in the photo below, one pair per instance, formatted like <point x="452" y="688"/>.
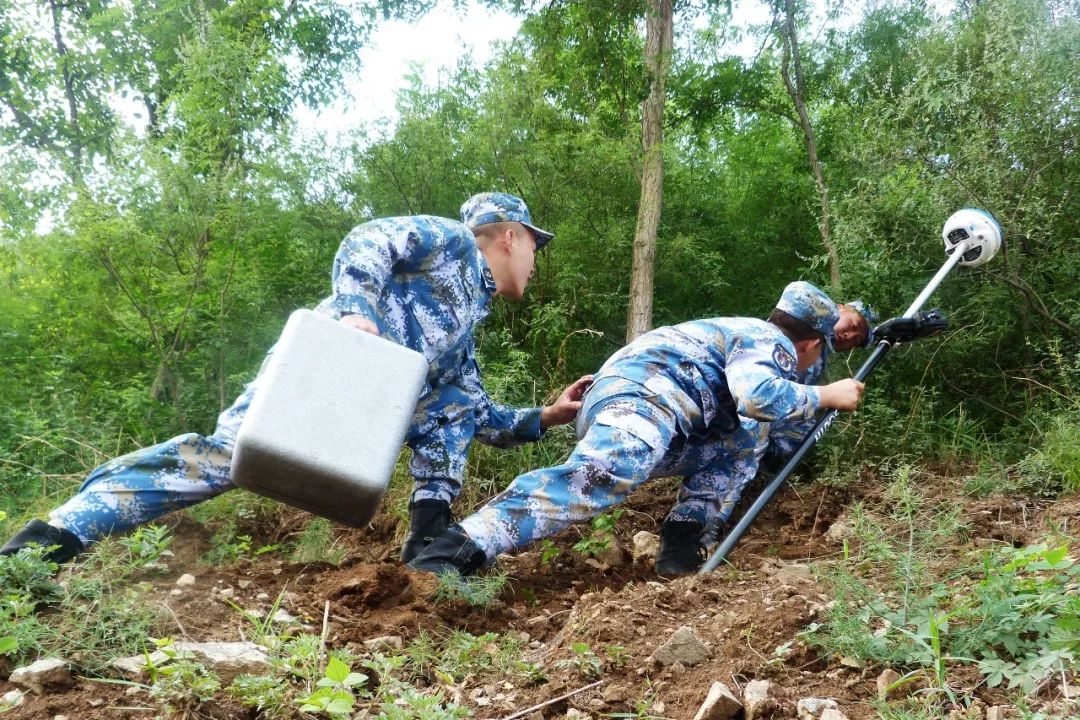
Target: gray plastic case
<point x="328" y="418"/>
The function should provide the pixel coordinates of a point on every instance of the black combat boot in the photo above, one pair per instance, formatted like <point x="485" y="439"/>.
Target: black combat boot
<point x="453" y="551"/>
<point x="66" y="545"/>
<point x="427" y="520"/>
<point x="681" y="551"/>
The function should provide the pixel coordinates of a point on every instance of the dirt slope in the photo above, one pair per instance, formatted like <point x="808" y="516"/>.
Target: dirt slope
<point x="748" y="614"/>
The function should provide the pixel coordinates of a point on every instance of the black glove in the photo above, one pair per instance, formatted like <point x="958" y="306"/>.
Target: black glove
<point x="905" y="329"/>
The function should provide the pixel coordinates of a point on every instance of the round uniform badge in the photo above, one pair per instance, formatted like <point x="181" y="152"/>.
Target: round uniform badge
<point x="783" y="359"/>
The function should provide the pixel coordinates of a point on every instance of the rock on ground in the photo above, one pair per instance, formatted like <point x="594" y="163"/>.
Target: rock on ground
<point x="720" y="704"/>
<point x="645" y="546"/>
<point x="226" y="659"/>
<point x="812" y="708"/>
<point x="47" y="673"/>
<point x="756" y="700"/>
<point x="830" y="714"/>
<point x="682" y="647"/>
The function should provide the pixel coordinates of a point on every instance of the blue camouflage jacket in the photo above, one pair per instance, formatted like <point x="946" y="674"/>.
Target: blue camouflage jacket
<point x="709" y="372"/>
<point x="423" y="281"/>
<point x="725" y="381"/>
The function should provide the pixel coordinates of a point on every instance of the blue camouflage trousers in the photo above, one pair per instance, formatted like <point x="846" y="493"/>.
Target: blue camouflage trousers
<point x="626" y="438"/>
<point x="188" y="469"/>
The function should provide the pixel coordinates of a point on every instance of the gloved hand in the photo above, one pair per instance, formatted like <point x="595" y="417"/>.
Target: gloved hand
<point x="905" y="329"/>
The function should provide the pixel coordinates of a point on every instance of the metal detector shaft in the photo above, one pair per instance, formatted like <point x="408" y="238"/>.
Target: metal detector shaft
<point x="822" y="425"/>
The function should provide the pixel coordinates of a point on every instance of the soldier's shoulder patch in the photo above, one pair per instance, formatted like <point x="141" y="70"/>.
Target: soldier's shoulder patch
<point x="783" y="359"/>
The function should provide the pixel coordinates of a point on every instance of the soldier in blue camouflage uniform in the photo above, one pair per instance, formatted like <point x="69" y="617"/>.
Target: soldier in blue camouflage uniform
<point x="696" y="399"/>
<point x="424" y="282"/>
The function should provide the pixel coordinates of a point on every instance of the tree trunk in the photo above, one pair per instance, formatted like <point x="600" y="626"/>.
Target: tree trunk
<point x="796" y="90"/>
<point x="69" y="91"/>
<point x="658" y="40"/>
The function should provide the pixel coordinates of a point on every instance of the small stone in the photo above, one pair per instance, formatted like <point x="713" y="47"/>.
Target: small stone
<point x="262" y="596"/>
<point x="645" y="546"/>
<point x="244" y="584"/>
<point x="60" y="717"/>
<point x="616" y="693"/>
<point x="12" y="698"/>
<point x="614" y="555"/>
<point x="176" y="592"/>
<point x="840" y="530"/>
<point x="683" y="646"/>
<point x="811" y="708"/>
<point x="997" y="712"/>
<point x="720" y="704"/>
<point x="678" y="669"/>
<point x="830" y="714"/>
<point x="386" y="642"/>
<point x="283" y="616"/>
<point x="793" y="573"/>
<point x="756" y="700"/>
<point x="95" y="702"/>
<point x="852" y="662"/>
<point x="43" y="674"/>
<point x="885" y="683"/>
<point x="185" y="580"/>
<point x="575" y="714"/>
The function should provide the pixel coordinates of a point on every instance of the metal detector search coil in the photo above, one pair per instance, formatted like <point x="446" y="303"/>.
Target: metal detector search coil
<point x="974" y="233"/>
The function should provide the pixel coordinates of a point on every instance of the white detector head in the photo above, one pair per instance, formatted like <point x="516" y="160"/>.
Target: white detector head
<point x="977" y="231"/>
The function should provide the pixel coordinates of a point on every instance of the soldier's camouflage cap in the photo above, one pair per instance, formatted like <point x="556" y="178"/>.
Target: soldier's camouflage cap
<point x="493" y="207"/>
<point x="869" y="315"/>
<point x="808" y="303"/>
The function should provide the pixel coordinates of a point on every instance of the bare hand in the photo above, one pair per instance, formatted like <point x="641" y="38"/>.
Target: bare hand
<point x="842" y="395"/>
<point x="566" y="407"/>
<point x="360" y="323"/>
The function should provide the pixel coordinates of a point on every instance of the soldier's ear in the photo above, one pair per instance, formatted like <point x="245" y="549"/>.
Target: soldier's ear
<point x="505" y="240"/>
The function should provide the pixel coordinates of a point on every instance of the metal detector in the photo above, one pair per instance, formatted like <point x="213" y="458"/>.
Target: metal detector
<point x="972" y="237"/>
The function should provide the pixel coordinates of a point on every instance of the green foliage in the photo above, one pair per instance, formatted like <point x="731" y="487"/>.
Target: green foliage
<point x="317" y="544"/>
<point x="548" y="551"/>
<point x="583" y="661"/>
<point x="180" y="682"/>
<point x="337" y="691"/>
<point x="265" y="693"/>
<point x="1011" y="613"/>
<point x="603" y="532"/>
<point x="29" y="575"/>
<point x="475" y="590"/>
<point x="147" y="545"/>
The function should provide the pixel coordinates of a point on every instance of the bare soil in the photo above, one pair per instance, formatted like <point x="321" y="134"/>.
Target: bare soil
<point x="744" y="612"/>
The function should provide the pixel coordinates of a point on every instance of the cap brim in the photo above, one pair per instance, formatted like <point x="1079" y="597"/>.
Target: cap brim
<point x="543" y="237"/>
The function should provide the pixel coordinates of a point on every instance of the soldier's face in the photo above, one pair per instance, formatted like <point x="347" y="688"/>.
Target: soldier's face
<point x="851" y="329"/>
<point x="522" y="262"/>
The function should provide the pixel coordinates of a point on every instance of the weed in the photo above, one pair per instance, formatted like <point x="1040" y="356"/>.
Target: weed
<point x="643" y="709"/>
<point x="461" y="654"/>
<point x="603" y="531"/>
<point x="147" y="545"/>
<point x="300" y="657"/>
<point x="584" y="661"/>
<point x="617" y="655"/>
<point x="476" y="591"/>
<point x="411" y="705"/>
<point x="548" y="551"/>
<point x="27" y="573"/>
<point x="317" y="544"/>
<point x="336" y="693"/>
<point x="180" y="682"/>
<point x="266" y="693"/>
